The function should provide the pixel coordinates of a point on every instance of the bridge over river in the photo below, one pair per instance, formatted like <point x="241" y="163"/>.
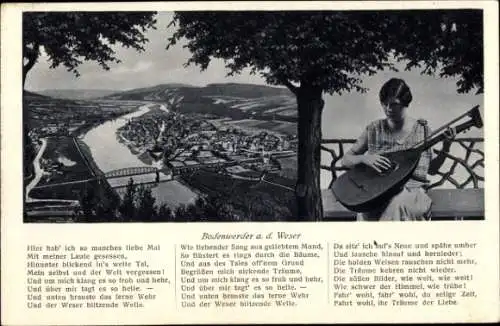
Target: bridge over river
<point x="125" y="172"/>
<point x="120" y="177"/>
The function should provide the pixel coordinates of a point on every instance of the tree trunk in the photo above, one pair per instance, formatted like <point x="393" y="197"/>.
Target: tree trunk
<point x="26" y="69"/>
<point x="308" y="191"/>
<point x="25" y="72"/>
<point x="32" y="56"/>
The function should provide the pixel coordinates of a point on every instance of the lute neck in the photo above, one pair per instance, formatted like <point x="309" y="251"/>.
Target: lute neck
<point x="440" y="137"/>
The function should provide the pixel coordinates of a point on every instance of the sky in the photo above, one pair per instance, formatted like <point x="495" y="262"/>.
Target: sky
<point x="154" y="66"/>
<point x="435" y="98"/>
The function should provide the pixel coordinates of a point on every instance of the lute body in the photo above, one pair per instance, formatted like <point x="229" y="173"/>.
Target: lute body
<point x="363" y="189"/>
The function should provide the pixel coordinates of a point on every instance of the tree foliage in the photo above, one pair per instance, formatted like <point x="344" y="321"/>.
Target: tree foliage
<point x="210" y="208"/>
<point x="146" y="208"/>
<point x="138" y="204"/>
<point x="69" y="38"/>
<point x="444" y="42"/>
<point x="332" y="49"/>
<point x="164" y="213"/>
<point x="97" y="204"/>
<point x="127" y="207"/>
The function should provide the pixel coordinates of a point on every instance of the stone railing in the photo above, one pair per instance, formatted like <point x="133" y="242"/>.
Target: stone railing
<point x="471" y="160"/>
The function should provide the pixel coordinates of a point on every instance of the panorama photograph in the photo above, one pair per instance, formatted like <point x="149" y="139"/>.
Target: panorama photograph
<point x="250" y="116"/>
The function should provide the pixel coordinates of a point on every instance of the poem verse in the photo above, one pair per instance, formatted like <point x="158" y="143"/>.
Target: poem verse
<point x="402" y="274"/>
<point x="73" y="277"/>
<point x="250" y="274"/>
<point x="241" y="270"/>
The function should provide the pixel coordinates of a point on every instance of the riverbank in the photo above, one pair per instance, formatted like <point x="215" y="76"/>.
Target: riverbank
<point x="85" y="150"/>
<point x="66" y="204"/>
<point x="110" y="152"/>
<point x="141" y="153"/>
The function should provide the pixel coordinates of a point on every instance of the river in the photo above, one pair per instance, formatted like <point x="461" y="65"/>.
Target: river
<point x="110" y="154"/>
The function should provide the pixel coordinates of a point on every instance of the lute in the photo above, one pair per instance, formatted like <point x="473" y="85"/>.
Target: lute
<point x="363" y="189"/>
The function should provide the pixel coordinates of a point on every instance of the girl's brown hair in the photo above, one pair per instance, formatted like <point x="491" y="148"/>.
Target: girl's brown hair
<point x="395" y="89"/>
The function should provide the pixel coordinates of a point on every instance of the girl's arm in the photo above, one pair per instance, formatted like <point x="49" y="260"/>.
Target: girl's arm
<point x="356" y="155"/>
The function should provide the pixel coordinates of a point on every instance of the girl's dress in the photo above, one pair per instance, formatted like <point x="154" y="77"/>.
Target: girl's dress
<point x="412" y="203"/>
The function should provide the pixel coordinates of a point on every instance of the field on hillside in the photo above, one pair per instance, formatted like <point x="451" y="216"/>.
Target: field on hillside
<point x="237" y="101"/>
<point x="76" y="116"/>
<point x="68" y="174"/>
<point x="65" y="161"/>
<point x="288" y="167"/>
<point x="252" y="125"/>
<point x="65" y="191"/>
<point x="272" y="106"/>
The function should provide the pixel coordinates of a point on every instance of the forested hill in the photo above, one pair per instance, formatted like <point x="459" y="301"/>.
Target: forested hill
<point x="76" y="94"/>
<point x="231" y="99"/>
<point x="27" y="95"/>
<point x="162" y="91"/>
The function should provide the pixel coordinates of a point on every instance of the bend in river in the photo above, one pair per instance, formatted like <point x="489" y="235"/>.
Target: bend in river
<point x="110" y="154"/>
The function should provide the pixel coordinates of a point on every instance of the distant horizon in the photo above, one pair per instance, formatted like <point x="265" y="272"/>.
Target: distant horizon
<point x="150" y="86"/>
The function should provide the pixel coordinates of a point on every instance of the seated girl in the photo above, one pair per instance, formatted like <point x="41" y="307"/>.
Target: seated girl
<point x="397" y="131"/>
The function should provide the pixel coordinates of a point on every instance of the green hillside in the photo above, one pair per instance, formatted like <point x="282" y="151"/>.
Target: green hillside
<point x="76" y="94"/>
<point x="237" y="101"/>
<point x="30" y="96"/>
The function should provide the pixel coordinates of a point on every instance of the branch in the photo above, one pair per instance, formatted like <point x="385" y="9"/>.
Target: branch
<point x="32" y="56"/>
<point x="289" y="85"/>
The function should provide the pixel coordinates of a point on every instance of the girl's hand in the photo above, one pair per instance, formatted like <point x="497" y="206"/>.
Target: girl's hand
<point x="378" y="162"/>
<point x="450" y="134"/>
